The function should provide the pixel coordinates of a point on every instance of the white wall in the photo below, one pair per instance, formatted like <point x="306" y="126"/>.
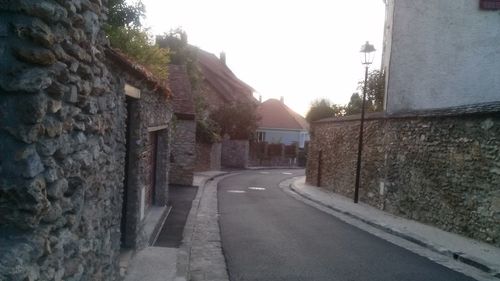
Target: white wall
<point x="443" y="53"/>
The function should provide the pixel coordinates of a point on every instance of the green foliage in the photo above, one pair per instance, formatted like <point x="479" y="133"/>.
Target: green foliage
<point x="238" y="120"/>
<point x="176" y="41"/>
<point x="122" y="14"/>
<point x="207" y="131"/>
<point x="375" y="91"/>
<point x="125" y="33"/>
<point x="323" y="108"/>
<point x="135" y="43"/>
<point x="355" y="104"/>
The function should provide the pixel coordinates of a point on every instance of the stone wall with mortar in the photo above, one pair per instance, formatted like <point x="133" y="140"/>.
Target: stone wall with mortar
<point x="61" y="144"/>
<point x="183" y="155"/>
<point x="149" y="116"/>
<point x="444" y="171"/>
<point x="208" y="157"/>
<point x="235" y="153"/>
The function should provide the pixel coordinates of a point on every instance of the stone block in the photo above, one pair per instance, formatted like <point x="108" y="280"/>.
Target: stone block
<point x="35" y="55"/>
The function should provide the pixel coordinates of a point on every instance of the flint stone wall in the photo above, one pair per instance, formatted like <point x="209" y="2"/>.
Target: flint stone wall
<point x="183" y="152"/>
<point x="443" y="171"/>
<point x="149" y="115"/>
<point x="61" y="144"/>
<point x="235" y="153"/>
<point x="208" y="157"/>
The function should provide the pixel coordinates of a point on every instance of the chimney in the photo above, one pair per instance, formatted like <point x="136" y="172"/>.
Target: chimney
<point x="223" y="57"/>
<point x="260" y="98"/>
<point x="282" y="99"/>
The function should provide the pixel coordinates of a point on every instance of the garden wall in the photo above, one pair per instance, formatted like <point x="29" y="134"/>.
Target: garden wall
<point x="442" y="170"/>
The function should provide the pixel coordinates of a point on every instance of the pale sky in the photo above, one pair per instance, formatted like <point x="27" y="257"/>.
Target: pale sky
<point x="302" y="50"/>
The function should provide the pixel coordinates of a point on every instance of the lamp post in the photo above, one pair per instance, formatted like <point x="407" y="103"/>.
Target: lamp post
<point x="367" y="56"/>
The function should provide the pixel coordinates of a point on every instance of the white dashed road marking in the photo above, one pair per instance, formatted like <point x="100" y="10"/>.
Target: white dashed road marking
<point x="236" y="191"/>
<point x="256" y="188"/>
<point x="287" y="173"/>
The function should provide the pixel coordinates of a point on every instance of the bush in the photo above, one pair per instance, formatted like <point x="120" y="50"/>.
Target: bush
<point x="134" y="42"/>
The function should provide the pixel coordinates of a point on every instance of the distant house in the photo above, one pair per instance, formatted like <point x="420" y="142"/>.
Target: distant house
<point x="280" y="124"/>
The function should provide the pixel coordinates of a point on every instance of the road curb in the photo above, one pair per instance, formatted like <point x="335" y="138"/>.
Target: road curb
<point x="458" y="256"/>
<point x="184" y="253"/>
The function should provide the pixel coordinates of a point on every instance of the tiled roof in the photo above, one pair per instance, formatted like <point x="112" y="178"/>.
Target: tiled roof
<point x="180" y="86"/>
<point x="138" y="70"/>
<point x="276" y="115"/>
<point x="223" y="79"/>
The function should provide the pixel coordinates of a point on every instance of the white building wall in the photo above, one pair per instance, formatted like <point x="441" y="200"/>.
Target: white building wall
<point x="441" y="53"/>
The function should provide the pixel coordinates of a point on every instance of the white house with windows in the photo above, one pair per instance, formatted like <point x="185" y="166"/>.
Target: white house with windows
<point x="280" y="124"/>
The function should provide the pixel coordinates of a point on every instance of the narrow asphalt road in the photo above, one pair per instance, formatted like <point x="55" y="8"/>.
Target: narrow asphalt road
<point x="268" y="235"/>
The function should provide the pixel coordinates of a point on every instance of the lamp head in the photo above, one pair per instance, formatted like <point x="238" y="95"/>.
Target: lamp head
<point x="367" y="53"/>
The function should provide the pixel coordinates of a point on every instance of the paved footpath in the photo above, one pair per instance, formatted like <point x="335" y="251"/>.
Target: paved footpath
<point x="484" y="257"/>
<point x="199" y="257"/>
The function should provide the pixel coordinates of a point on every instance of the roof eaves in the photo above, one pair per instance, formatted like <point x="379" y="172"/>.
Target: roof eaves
<point x="138" y="70"/>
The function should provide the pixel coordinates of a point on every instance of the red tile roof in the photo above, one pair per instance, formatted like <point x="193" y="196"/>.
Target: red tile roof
<point x="223" y="79"/>
<point x="276" y="115"/>
<point x="180" y="86"/>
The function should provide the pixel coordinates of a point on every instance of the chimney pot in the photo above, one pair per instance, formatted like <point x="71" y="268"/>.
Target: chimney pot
<point x="282" y="99"/>
<point x="223" y="57"/>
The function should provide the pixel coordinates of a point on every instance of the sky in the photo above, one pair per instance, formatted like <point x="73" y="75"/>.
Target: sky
<point x="299" y="49"/>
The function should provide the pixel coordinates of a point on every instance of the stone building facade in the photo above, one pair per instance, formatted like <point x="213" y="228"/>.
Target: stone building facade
<point x="183" y="154"/>
<point x="437" y="167"/>
<point x="63" y="120"/>
<point x="148" y="146"/>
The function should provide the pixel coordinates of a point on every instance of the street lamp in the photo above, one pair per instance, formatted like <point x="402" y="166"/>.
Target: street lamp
<point x="367" y="56"/>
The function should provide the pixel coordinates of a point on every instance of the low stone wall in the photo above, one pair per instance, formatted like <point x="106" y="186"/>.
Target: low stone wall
<point x="208" y="157"/>
<point x="235" y="153"/>
<point x="443" y="170"/>
<point x="183" y="153"/>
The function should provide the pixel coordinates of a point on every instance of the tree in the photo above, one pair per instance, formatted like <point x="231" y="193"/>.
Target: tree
<point x="323" y="108"/>
<point x="125" y="32"/>
<point x="239" y="120"/>
<point x="375" y="90"/>
<point x="355" y="104"/>
<point x="122" y="14"/>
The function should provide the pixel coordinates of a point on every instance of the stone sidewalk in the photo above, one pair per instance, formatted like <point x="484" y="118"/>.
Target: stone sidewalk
<point x="200" y="255"/>
<point x="482" y="256"/>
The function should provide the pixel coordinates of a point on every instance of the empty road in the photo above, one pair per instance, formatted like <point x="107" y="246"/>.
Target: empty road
<point x="268" y="235"/>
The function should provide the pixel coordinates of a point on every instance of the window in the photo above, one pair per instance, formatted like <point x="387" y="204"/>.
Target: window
<point x="261" y="136"/>
<point x="490" y="4"/>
